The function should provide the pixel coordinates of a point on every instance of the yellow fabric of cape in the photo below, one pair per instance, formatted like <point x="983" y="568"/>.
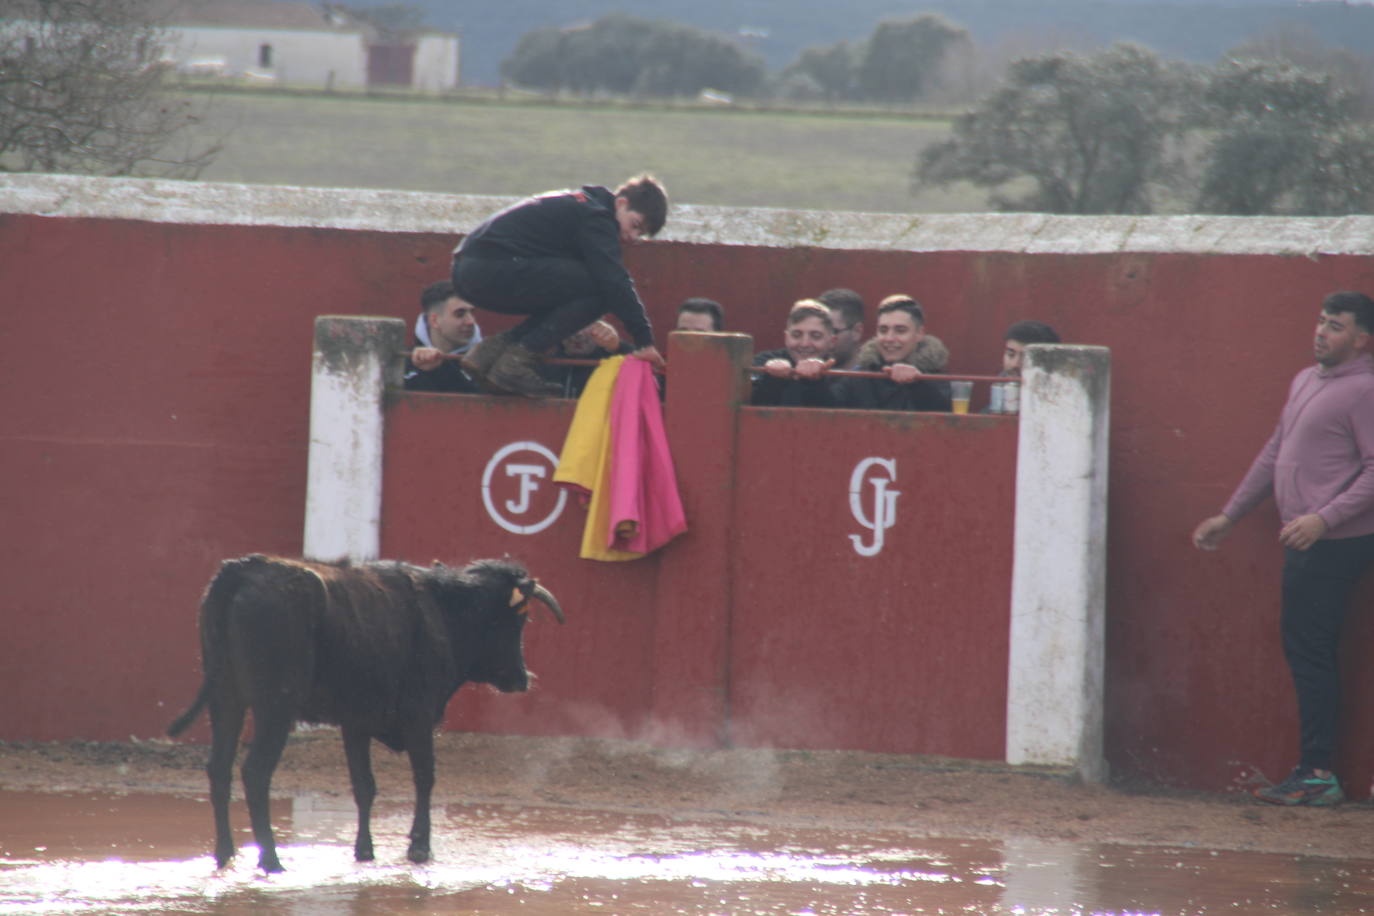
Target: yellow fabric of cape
<point x="585" y="462"/>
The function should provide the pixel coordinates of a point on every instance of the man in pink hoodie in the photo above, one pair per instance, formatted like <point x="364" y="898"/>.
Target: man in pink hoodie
<point x="1319" y="464"/>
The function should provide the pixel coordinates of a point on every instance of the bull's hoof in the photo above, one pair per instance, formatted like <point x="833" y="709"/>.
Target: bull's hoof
<point x="363" y="853"/>
<point x="223" y="858"/>
<point x="270" y="864"/>
<point x="418" y="855"/>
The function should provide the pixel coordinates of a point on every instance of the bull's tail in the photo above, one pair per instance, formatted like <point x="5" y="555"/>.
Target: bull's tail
<point x="218" y="594"/>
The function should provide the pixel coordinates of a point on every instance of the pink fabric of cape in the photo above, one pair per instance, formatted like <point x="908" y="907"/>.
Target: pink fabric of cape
<point x="645" y="508"/>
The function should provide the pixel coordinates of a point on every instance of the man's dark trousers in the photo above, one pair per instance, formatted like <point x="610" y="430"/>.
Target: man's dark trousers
<point x="1317" y="584"/>
<point x="558" y="295"/>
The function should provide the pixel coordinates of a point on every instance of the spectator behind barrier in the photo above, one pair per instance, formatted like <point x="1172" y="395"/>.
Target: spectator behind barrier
<point x="697" y="314"/>
<point x="445" y="326"/>
<point x="793" y="376"/>
<point x="597" y="340"/>
<point x="906" y="354"/>
<point x="1020" y="335"/>
<point x="847" y="313"/>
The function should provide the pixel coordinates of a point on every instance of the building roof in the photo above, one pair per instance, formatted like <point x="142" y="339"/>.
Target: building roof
<point x="261" y="14"/>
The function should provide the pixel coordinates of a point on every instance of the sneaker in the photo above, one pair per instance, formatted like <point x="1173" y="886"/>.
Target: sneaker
<point x="1303" y="787"/>
<point x="515" y="372"/>
<point x="479" y="360"/>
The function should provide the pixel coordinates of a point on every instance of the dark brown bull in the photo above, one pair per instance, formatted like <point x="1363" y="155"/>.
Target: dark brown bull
<point x="376" y="648"/>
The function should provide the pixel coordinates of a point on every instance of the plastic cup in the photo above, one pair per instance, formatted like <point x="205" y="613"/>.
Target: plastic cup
<point x="961" y="392"/>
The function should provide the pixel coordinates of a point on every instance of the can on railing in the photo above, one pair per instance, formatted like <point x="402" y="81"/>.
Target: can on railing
<point x="995" y="394"/>
<point x="1011" y="397"/>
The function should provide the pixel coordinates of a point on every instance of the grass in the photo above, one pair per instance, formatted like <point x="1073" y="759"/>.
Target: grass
<point x="813" y="160"/>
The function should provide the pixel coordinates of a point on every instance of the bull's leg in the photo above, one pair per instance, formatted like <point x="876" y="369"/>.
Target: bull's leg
<point x="269" y="740"/>
<point x="226" y="723"/>
<point x="358" y="750"/>
<point x="421" y="749"/>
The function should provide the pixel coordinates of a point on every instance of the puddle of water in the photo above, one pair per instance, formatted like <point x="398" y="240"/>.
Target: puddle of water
<point x="100" y="855"/>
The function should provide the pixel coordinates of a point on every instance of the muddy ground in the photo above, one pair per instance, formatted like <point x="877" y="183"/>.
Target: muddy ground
<point x="920" y="795"/>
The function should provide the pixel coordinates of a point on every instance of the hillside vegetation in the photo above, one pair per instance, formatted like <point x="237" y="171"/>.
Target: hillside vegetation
<point x="859" y="161"/>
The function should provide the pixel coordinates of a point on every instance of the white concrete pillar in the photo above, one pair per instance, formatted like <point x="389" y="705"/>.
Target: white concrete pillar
<point x="354" y="362"/>
<point x="1055" y="668"/>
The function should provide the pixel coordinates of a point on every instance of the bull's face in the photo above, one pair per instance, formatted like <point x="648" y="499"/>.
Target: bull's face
<point x="502" y="661"/>
<point x="507" y="595"/>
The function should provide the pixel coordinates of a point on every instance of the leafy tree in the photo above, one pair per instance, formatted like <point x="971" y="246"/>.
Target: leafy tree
<point x="1299" y="46"/>
<point x="828" y="72"/>
<point x="1284" y="141"/>
<point x="901" y="59"/>
<point x="1090" y="134"/>
<point x="83" y="89"/>
<point x="625" y="54"/>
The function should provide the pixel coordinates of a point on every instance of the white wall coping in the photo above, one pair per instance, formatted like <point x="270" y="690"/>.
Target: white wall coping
<point x="217" y="203"/>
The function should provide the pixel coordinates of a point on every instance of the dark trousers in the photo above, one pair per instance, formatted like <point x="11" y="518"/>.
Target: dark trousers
<point x="1317" y="583"/>
<point x="558" y="295"/>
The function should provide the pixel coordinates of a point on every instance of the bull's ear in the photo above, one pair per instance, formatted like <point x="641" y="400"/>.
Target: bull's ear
<point x="516" y="598"/>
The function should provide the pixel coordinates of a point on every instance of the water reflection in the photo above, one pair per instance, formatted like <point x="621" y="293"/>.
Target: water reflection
<point x="87" y="854"/>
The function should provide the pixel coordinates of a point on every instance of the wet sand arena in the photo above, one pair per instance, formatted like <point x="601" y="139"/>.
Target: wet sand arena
<point x="83" y="853"/>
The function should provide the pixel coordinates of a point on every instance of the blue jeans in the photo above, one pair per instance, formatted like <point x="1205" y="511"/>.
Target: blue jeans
<point x="1317" y="583"/>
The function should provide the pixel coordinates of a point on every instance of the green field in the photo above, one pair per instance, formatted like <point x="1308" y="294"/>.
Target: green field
<point x="823" y="161"/>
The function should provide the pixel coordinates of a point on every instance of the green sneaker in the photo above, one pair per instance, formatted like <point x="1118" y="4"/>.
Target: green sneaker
<point x="1303" y="787"/>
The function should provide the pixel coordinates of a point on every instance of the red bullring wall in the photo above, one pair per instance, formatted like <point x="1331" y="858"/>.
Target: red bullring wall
<point x="797" y="639"/>
<point x="155" y="402"/>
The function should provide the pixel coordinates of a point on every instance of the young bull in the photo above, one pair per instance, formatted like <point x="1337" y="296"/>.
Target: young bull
<point x="376" y="648"/>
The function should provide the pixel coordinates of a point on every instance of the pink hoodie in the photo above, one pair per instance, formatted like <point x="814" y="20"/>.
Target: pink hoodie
<point x="1321" y="457"/>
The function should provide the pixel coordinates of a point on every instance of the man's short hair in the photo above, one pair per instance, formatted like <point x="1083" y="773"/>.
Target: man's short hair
<point x="846" y="303"/>
<point x="436" y="294"/>
<point x="803" y="309"/>
<point x="1031" y="332"/>
<point x="903" y="303"/>
<point x="1360" y="305"/>
<point x="701" y="306"/>
<point x="646" y="196"/>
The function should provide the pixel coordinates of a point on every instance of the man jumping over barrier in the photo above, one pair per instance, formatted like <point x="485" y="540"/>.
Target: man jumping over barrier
<point x="557" y="259"/>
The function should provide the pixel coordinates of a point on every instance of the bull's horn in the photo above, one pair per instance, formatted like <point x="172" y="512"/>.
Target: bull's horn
<point x="546" y="596"/>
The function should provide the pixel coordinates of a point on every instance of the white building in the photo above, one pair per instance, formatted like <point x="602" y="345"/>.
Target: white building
<point x="303" y="45"/>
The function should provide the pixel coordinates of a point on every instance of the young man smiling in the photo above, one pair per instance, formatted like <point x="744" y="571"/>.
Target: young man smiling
<point x="792" y="375"/>
<point x="906" y="354"/>
<point x="1319" y="465"/>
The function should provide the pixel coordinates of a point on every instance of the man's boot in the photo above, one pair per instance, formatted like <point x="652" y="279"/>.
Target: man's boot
<point x="477" y="362"/>
<point x="515" y="372"/>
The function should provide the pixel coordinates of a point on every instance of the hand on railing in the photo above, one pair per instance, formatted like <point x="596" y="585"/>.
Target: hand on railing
<point x="427" y="359"/>
<point x="654" y="358"/>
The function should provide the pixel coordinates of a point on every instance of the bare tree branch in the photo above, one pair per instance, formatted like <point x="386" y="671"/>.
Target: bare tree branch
<point x="84" y="88"/>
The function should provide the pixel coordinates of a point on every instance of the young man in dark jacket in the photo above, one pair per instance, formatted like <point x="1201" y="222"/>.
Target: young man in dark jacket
<point x="556" y="258"/>
<point x="907" y="355"/>
<point x="445" y="328"/>
<point x="793" y="375"/>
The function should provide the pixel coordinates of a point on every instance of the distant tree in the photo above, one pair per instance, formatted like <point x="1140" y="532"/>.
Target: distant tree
<point x="1299" y="46"/>
<point x="83" y="88"/>
<point x="625" y="54"/>
<point x="828" y="72"/>
<point x="1284" y="140"/>
<point x="1092" y="134"/>
<point x="901" y="60"/>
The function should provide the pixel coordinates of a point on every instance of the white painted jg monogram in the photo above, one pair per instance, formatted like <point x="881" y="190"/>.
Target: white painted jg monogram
<point x="884" y="502"/>
<point x="530" y="476"/>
